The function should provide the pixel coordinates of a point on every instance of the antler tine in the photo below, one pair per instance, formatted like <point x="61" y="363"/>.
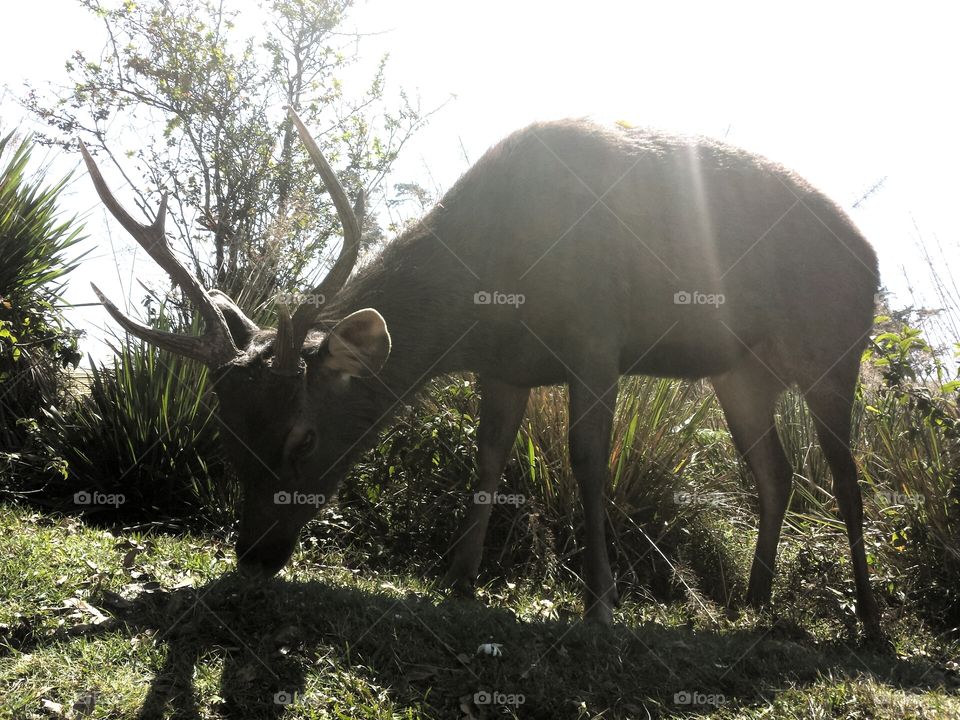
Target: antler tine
<point x="215" y="347"/>
<point x="306" y="313"/>
<point x="292" y="332"/>
<point x="341" y="270"/>
<point x="185" y="345"/>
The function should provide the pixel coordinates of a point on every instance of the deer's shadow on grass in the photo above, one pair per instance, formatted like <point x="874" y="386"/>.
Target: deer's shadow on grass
<point x="283" y="642"/>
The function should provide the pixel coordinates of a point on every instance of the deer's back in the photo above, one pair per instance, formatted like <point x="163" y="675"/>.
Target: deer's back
<point x="675" y="253"/>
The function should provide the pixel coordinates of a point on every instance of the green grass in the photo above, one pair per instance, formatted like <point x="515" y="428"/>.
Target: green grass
<point x="159" y="627"/>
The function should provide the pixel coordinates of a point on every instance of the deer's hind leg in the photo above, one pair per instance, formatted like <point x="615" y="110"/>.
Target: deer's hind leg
<point x="593" y="397"/>
<point x="830" y="400"/>
<point x="748" y="394"/>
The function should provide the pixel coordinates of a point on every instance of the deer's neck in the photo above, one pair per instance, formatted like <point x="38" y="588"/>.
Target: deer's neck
<point x="420" y="289"/>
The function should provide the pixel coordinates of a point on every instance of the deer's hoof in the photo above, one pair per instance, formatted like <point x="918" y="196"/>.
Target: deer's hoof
<point x="599" y="614"/>
<point x="458" y="584"/>
<point x="874" y="638"/>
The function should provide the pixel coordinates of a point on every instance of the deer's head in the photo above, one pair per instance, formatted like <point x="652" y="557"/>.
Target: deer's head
<point x="275" y="387"/>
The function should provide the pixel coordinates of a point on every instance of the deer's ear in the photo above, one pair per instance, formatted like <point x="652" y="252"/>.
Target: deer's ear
<point x="358" y="345"/>
<point x="241" y="327"/>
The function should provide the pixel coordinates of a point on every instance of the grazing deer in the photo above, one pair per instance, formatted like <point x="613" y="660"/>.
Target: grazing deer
<point x="570" y="253"/>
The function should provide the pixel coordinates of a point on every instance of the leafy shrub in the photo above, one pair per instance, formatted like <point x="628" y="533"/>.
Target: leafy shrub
<point x="409" y="494"/>
<point x="912" y="462"/>
<point x="405" y="497"/>
<point x="661" y="447"/>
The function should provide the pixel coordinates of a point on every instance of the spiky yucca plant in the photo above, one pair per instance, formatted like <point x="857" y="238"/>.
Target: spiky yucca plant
<point x="146" y="431"/>
<point x="35" y="241"/>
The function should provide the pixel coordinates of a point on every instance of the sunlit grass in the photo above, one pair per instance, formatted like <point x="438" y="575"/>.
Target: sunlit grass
<point x="163" y="631"/>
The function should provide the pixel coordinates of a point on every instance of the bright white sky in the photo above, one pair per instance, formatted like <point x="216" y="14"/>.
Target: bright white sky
<point x="845" y="93"/>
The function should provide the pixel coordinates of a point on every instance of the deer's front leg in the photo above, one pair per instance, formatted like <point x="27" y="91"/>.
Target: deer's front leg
<point x="501" y="410"/>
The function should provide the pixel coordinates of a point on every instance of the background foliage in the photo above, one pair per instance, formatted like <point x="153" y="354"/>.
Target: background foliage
<point x="203" y="106"/>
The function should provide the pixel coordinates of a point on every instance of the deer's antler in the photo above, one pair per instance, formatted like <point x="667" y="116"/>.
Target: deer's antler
<point x="292" y="331"/>
<point x="215" y="347"/>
